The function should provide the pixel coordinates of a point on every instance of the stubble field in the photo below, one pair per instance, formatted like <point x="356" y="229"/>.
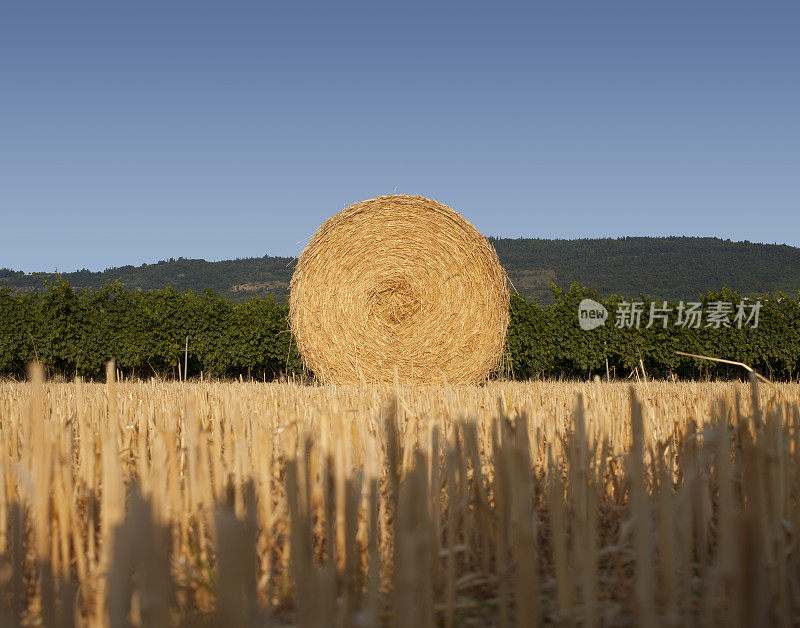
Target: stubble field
<point x="168" y="503"/>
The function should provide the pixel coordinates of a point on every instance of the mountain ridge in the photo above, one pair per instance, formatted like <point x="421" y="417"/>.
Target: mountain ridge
<point x="672" y="268"/>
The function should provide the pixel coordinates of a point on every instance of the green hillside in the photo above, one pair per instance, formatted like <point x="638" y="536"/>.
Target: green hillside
<point x="671" y="268"/>
<point x="239" y="279"/>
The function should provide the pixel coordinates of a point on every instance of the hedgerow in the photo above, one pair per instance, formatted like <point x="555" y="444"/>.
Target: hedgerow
<point x="76" y="333"/>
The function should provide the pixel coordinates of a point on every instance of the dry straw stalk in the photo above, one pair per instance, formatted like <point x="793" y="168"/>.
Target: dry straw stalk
<point x="399" y="283"/>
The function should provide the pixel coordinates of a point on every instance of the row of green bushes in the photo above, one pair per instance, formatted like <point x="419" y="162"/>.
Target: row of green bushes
<point x="145" y="332"/>
<point x="548" y="340"/>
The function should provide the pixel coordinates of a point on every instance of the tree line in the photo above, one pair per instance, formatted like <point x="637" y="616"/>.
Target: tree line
<point x="77" y="332"/>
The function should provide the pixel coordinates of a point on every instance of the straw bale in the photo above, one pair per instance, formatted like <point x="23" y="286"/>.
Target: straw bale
<point x="399" y="284"/>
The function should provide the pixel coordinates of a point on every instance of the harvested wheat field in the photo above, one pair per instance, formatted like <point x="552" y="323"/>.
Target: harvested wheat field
<point x="244" y="504"/>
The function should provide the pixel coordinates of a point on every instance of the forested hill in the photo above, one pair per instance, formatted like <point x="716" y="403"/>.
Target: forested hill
<point x="671" y="268"/>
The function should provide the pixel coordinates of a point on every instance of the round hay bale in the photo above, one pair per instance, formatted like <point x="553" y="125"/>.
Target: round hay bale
<point x="399" y="283"/>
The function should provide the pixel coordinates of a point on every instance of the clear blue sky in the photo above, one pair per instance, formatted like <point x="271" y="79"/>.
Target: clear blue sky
<point x="138" y="131"/>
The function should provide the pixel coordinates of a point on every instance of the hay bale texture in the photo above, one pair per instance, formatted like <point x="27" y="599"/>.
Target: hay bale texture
<point x="399" y="283"/>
